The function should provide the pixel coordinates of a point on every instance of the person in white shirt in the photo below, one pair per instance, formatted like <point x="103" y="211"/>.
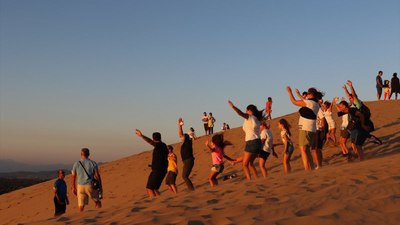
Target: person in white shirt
<point x="307" y="122"/>
<point x="327" y="107"/>
<point x="267" y="147"/>
<point x="344" y="133"/>
<point x="251" y="127"/>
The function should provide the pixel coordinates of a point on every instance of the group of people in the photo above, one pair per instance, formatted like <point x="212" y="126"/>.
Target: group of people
<point x="316" y="128"/>
<point x="208" y="122"/>
<point x="85" y="173"/>
<point x="388" y="87"/>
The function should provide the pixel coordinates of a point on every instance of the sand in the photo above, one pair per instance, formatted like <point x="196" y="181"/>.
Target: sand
<point x="340" y="192"/>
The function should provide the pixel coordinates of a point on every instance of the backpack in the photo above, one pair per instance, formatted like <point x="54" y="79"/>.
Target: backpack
<point x="367" y="117"/>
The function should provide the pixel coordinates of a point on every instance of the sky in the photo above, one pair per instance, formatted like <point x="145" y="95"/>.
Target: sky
<point x="77" y="74"/>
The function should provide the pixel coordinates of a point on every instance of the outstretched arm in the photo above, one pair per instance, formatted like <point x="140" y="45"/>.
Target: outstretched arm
<point x="148" y="140"/>
<point x="300" y="103"/>
<point x="238" y="111"/>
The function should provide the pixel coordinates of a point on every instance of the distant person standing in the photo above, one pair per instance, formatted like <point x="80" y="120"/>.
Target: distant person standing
<point x="386" y="90"/>
<point x="186" y="155"/>
<point x="159" y="163"/>
<point x="268" y="109"/>
<point x="83" y="173"/>
<point x="60" y="194"/>
<point x="394" y="86"/>
<point x="211" y="121"/>
<point x="205" y="122"/>
<point x="379" y="85"/>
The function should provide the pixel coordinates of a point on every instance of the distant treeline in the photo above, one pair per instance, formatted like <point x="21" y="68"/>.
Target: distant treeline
<point x="12" y="184"/>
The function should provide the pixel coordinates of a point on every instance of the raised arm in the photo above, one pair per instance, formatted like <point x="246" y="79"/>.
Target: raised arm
<point x="300" y="103"/>
<point x="148" y="140"/>
<point x="299" y="94"/>
<point x="347" y="92"/>
<point x="180" y="131"/>
<point x="353" y="91"/>
<point x="238" y="111"/>
<point x="334" y="103"/>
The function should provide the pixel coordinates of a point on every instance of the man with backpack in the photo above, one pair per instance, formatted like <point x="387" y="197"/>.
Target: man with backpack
<point x="360" y="124"/>
<point x="84" y="172"/>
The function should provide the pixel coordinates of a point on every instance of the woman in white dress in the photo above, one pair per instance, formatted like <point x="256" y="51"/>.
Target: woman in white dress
<point x="331" y="134"/>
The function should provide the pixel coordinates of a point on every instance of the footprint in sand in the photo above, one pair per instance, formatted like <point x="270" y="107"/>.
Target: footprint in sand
<point x="195" y="222"/>
<point x="253" y="207"/>
<point x="396" y="177"/>
<point x="356" y="181"/>
<point x="372" y="177"/>
<point x="272" y="200"/>
<point x="212" y="201"/>
<point x="137" y="209"/>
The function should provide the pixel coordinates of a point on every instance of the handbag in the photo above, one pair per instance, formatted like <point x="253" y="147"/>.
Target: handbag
<point x="96" y="185"/>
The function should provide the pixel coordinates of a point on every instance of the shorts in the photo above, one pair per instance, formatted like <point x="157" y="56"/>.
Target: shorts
<point x="155" y="180"/>
<point x="358" y="136"/>
<point x="171" y="178"/>
<point x="344" y="134"/>
<point x="319" y="140"/>
<point x="84" y="192"/>
<point x="379" y="90"/>
<point x="253" y="146"/>
<point x="289" y="149"/>
<point x="264" y="155"/>
<point x="217" y="168"/>
<point x="306" y="138"/>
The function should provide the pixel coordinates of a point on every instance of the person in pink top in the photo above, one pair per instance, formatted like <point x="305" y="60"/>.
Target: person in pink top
<point x="216" y="147"/>
<point x="268" y="108"/>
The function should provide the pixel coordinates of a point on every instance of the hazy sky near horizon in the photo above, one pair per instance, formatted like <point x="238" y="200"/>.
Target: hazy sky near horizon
<point x="79" y="74"/>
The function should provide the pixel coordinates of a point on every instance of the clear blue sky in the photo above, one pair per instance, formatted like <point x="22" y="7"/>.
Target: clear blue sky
<point x="87" y="73"/>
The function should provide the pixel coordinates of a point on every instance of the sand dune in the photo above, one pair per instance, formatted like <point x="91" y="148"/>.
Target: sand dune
<point x="365" y="192"/>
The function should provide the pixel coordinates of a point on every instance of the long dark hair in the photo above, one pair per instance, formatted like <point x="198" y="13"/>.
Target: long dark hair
<point x="258" y="114"/>
<point x="218" y="140"/>
<point x="285" y="125"/>
<point x="316" y="93"/>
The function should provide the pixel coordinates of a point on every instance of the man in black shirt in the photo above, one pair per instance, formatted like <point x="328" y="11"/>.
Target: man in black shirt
<point x="159" y="163"/>
<point x="187" y="155"/>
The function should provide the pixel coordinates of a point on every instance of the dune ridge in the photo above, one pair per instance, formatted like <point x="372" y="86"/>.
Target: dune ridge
<point x="365" y="192"/>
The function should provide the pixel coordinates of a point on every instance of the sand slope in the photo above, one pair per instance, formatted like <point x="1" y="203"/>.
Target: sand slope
<point x="365" y="192"/>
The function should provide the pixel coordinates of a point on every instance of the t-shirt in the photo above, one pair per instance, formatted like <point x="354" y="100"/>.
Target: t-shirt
<point x="160" y="157"/>
<point x="217" y="156"/>
<point x="268" y="106"/>
<point x="345" y="121"/>
<point x="90" y="166"/>
<point x="172" y="163"/>
<point x="211" y="121"/>
<point x="61" y="188"/>
<point x="251" y="128"/>
<point x="378" y="81"/>
<point x="187" y="148"/>
<point x="285" y="136"/>
<point x="267" y="135"/>
<point x="308" y="124"/>
<point x="320" y="119"/>
<point x="204" y="119"/>
<point x="356" y="104"/>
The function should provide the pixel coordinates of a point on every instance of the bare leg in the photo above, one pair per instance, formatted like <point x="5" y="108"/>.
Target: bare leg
<point x="286" y="163"/>
<point x="261" y="163"/>
<point x="151" y="193"/>
<point x="247" y="163"/>
<point x="304" y="157"/>
<point x="359" y="151"/>
<point x="213" y="178"/>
